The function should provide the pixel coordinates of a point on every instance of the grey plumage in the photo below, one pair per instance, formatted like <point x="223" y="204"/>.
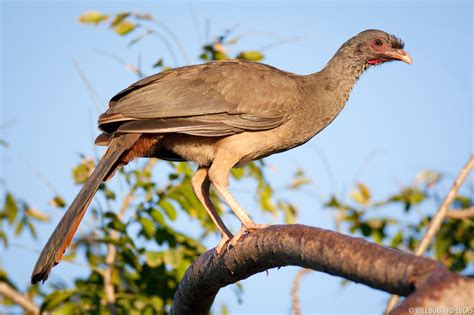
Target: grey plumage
<point x="241" y="94"/>
<point x="220" y="115"/>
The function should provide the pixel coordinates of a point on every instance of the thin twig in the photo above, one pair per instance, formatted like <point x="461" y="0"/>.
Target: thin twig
<point x="108" y="285"/>
<point x="128" y="66"/>
<point x="195" y="22"/>
<point x="112" y="251"/>
<point x="327" y="165"/>
<point x="437" y="220"/>
<point x="365" y="164"/>
<point x="18" y="298"/>
<point x="280" y="43"/>
<point x="461" y="214"/>
<point x="175" y="39"/>
<point x="40" y="176"/>
<point x="295" y="303"/>
<point x="167" y="44"/>
<point x="95" y="97"/>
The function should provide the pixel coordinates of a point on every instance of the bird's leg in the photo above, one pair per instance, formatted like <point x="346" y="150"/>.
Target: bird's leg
<point x="201" y="184"/>
<point x="218" y="175"/>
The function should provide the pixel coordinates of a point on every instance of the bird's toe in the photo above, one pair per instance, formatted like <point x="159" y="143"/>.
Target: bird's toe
<point x="223" y="244"/>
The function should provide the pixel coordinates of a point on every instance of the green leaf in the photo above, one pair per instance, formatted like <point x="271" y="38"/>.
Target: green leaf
<point x="409" y="196"/>
<point x="365" y="229"/>
<point x="290" y="212"/>
<point x="115" y="223"/>
<point x="32" y="229"/>
<point x="159" y="63"/>
<point x="173" y="257"/>
<point x="10" y="208"/>
<point x="378" y="235"/>
<point x="250" y="55"/>
<point x="362" y="194"/>
<point x="154" y="259"/>
<point x="148" y="228"/>
<point x="169" y="209"/>
<point x="266" y="199"/>
<point x="333" y="203"/>
<point x="130" y="258"/>
<point x="58" y="202"/>
<point x="81" y="172"/>
<point x="123" y="28"/>
<point x="4" y="238"/>
<point x="397" y="239"/>
<point x="119" y="18"/>
<point x="238" y="172"/>
<point x="462" y="202"/>
<point x="109" y="194"/>
<point x="157" y="216"/>
<point x="20" y="227"/>
<point x="218" y="55"/>
<point x="92" y="17"/>
<point x="55" y="299"/>
<point x="298" y="182"/>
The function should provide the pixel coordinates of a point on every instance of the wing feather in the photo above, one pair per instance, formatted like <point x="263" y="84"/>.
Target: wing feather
<point x="227" y="97"/>
<point x="210" y="126"/>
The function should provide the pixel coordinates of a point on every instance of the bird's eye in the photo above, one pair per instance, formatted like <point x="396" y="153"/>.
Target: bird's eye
<point x="378" y="42"/>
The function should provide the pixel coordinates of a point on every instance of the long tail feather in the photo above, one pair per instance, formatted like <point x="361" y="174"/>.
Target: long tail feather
<point x="64" y="231"/>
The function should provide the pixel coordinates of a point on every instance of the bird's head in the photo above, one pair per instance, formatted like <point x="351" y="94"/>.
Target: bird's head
<point x="375" y="47"/>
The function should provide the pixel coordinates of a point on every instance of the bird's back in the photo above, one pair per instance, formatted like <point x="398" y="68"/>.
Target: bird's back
<point x="232" y="87"/>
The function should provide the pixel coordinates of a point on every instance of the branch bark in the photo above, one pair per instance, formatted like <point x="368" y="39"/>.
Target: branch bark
<point x="352" y="258"/>
<point x="461" y="214"/>
<point x="18" y="298"/>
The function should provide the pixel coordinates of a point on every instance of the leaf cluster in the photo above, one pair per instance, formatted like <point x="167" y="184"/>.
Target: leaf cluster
<point x="400" y="219"/>
<point x="137" y="218"/>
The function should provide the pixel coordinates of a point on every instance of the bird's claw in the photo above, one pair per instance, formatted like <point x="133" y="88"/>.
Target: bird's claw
<point x="255" y="226"/>
<point x="244" y="231"/>
<point x="222" y="244"/>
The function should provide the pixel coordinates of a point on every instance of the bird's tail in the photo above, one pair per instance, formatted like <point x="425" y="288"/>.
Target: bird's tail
<point x="64" y="232"/>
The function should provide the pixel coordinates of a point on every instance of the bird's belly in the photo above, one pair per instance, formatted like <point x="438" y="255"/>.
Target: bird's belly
<point x="244" y="147"/>
<point x="192" y="148"/>
<point x="250" y="146"/>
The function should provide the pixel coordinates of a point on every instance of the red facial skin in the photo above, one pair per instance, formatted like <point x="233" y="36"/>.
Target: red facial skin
<point x="379" y="50"/>
<point x="377" y="61"/>
<point x="387" y="53"/>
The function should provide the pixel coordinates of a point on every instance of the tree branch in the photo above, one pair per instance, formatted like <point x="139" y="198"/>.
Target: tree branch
<point x="461" y="214"/>
<point x="295" y="303"/>
<point x="109" y="288"/>
<point x="440" y="215"/>
<point x="355" y="259"/>
<point x="18" y="298"/>
<point x="437" y="220"/>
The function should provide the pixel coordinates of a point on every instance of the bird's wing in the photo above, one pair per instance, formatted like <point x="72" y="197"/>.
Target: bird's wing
<point x="218" y="98"/>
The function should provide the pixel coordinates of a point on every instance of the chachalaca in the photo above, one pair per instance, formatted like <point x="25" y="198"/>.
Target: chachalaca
<point x="220" y="115"/>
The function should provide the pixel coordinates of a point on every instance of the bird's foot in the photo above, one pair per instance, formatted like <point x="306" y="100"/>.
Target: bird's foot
<point x="245" y="230"/>
<point x="222" y="244"/>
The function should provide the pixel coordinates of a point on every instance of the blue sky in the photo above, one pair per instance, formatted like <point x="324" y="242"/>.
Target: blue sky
<point x="399" y="120"/>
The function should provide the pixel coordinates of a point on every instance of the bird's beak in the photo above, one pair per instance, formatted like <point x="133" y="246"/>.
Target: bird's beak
<point x="400" y="54"/>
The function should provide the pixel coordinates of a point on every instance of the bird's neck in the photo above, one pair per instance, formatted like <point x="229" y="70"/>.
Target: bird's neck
<point x="342" y="72"/>
<point x="329" y="88"/>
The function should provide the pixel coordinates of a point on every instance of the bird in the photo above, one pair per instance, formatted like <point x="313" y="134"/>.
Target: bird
<point x="220" y="115"/>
